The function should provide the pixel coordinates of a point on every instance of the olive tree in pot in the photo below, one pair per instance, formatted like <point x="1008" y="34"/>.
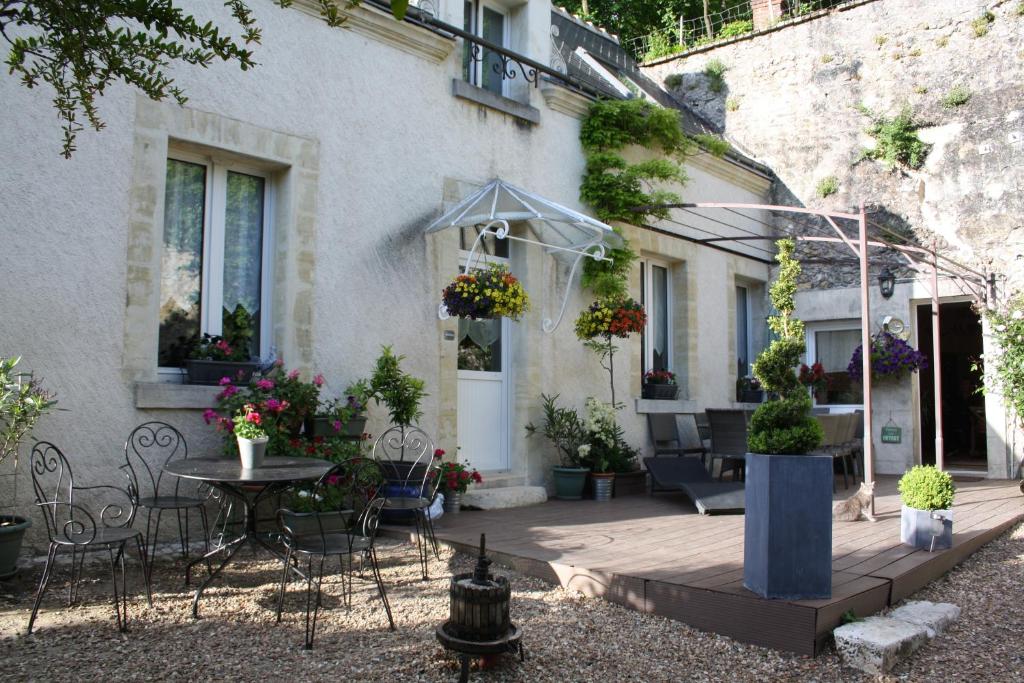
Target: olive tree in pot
<point x="787" y="544"/>
<point x="22" y="402"/>
<point x="926" y="518"/>
<point x="567" y="433"/>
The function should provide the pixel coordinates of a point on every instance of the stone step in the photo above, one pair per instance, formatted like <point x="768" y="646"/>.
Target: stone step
<point x="876" y="644"/>
<point x="505" y="497"/>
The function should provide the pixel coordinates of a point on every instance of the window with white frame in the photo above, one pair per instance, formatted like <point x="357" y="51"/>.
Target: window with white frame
<point x="832" y="344"/>
<point x="657" y="300"/>
<point x="744" y="327"/>
<point x="490" y="21"/>
<point x="215" y="258"/>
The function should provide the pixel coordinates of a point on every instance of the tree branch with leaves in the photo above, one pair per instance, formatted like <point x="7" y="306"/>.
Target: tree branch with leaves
<point x="80" y="49"/>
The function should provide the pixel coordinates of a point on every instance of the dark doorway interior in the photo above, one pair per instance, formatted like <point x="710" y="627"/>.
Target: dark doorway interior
<point x="963" y="409"/>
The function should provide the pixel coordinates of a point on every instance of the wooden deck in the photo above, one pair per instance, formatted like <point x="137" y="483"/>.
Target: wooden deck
<point x="655" y="554"/>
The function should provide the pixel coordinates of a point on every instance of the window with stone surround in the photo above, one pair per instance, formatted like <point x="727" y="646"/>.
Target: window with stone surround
<point x="215" y="253"/>
<point x="832" y="344"/>
<point x="491" y="21"/>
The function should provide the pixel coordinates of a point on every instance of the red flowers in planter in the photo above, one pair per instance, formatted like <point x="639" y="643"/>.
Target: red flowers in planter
<point x="456" y="477"/>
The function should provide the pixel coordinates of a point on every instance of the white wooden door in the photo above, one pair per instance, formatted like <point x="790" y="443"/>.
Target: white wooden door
<point x="483" y="393"/>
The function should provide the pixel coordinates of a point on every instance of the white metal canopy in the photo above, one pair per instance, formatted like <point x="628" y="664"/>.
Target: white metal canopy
<point x="559" y="229"/>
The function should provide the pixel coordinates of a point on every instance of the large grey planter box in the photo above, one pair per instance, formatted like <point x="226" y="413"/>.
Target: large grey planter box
<point x="916" y="528"/>
<point x="787" y="531"/>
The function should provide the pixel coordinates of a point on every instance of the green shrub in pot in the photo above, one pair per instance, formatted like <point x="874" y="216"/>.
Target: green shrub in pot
<point x="925" y="487"/>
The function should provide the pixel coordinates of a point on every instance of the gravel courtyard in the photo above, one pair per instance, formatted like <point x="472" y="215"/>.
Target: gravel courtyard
<point x="568" y="637"/>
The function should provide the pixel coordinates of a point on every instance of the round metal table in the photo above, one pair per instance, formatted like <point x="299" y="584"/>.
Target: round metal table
<point x="249" y="487"/>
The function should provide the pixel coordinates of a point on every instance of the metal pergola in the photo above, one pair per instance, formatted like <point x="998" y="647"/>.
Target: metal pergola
<point x="924" y="261"/>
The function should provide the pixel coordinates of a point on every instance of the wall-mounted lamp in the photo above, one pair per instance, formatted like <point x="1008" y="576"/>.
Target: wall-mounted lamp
<point x="886" y="282"/>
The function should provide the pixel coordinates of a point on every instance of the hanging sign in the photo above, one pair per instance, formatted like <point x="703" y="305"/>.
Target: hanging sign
<point x="892" y="434"/>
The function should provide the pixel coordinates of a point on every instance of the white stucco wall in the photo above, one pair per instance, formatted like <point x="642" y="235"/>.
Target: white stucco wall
<point x="389" y="138"/>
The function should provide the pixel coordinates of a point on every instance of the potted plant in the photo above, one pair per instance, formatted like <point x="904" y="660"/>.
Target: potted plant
<point x="891" y="358"/>
<point x="282" y="398"/>
<point x="605" y="451"/>
<point x="564" y="428"/>
<point x="342" y="418"/>
<point x="212" y="357"/>
<point x="814" y="378"/>
<point x="926" y="517"/>
<point x="660" y="384"/>
<point x="607" y="318"/>
<point x="22" y="402"/>
<point x="399" y="391"/>
<point x="486" y="293"/>
<point x="251" y="437"/>
<point x="455" y="479"/>
<point x="748" y="390"/>
<point x="787" y="540"/>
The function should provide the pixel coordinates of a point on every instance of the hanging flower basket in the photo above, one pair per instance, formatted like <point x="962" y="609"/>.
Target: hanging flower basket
<point x="489" y="293"/>
<point x="891" y="357"/>
<point x="611" y="318"/>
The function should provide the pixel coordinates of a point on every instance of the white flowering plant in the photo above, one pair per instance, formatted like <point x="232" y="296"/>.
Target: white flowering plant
<point x="605" y="449"/>
<point x="1004" y="373"/>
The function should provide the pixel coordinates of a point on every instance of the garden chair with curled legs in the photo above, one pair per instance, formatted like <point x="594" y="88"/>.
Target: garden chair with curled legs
<point x="411" y="475"/>
<point x="148" y="450"/>
<point x="342" y="519"/>
<point x="83" y="525"/>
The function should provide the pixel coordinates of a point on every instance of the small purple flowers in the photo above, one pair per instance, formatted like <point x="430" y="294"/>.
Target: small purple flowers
<point x="890" y="357"/>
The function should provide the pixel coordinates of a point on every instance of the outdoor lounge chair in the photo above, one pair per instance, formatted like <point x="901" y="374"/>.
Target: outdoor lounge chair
<point x="688" y="474"/>
<point x="729" y="440"/>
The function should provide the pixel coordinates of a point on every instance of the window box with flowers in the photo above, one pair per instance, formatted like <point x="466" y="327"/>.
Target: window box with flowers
<point x="660" y="384"/>
<point x="455" y="480"/>
<point x="748" y="390"/>
<point x="337" y="418"/>
<point x="213" y="358"/>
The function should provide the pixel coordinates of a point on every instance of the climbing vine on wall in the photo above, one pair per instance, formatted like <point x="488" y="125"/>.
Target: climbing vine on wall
<point x="615" y="187"/>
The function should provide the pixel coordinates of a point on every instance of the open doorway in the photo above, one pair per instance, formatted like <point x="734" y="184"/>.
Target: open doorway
<point x="963" y="408"/>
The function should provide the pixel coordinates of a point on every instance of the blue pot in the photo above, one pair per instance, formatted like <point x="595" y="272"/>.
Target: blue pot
<point x="787" y="531"/>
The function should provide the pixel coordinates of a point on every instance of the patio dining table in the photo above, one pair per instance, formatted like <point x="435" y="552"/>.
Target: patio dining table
<point x="248" y="486"/>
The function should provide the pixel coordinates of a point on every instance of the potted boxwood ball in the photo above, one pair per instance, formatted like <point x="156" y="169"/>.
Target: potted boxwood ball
<point x="787" y="541"/>
<point x="926" y="518"/>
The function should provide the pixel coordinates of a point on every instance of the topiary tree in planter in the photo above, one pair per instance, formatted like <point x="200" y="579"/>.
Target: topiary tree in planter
<point x="926" y="519"/>
<point x="788" y="523"/>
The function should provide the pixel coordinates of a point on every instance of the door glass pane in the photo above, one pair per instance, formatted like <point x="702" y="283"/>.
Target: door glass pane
<point x="181" y="260"/>
<point x="833" y="349"/>
<point x="480" y="345"/>
<point x="659" y="318"/>
<point x="243" y="257"/>
<point x="742" y="333"/>
<point x="493" y="70"/>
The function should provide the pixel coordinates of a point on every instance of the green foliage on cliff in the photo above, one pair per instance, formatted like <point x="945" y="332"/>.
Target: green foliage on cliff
<point x="896" y="140"/>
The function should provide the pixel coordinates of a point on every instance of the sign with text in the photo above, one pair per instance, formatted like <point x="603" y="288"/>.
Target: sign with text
<point x="892" y="434"/>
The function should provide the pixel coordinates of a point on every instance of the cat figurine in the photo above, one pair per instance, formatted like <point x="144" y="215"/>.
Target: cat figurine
<point x="857" y="506"/>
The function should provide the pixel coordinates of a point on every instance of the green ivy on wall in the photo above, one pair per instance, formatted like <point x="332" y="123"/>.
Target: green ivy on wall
<point x="615" y="188"/>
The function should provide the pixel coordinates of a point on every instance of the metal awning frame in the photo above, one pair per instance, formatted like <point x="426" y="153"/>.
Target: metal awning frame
<point x="496" y="223"/>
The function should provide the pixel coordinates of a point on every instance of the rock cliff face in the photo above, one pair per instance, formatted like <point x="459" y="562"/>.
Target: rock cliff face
<point x="795" y="99"/>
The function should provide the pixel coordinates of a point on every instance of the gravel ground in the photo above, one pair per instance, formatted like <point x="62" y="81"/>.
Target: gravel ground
<point x="568" y="637"/>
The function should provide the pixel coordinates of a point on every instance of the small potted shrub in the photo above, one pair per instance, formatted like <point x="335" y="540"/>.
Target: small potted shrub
<point x="660" y="384"/>
<point x="926" y="518"/>
<point x="212" y="357"/>
<point x="787" y="539"/>
<point x="251" y="437"/>
<point x="488" y="293"/>
<point x="566" y="431"/>
<point x="22" y="402"/>
<point x="455" y="480"/>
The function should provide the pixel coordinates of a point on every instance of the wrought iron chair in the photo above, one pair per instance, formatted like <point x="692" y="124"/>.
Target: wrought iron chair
<point x="148" y="450"/>
<point x="69" y="524"/>
<point x="347" y="526"/>
<point x="411" y="475"/>
<point x="728" y="440"/>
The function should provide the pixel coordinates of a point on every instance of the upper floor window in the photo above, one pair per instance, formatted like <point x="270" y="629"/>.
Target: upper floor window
<point x="657" y="296"/>
<point x="214" y="263"/>
<point x="480" y="66"/>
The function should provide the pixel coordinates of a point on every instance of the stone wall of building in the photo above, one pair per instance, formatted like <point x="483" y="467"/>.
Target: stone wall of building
<point x="792" y="99"/>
